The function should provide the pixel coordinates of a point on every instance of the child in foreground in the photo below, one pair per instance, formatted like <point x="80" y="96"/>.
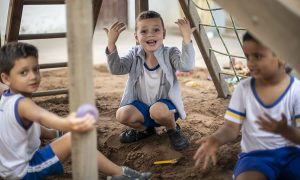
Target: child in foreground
<point x="23" y="123"/>
<point x="266" y="109"/>
<point x="152" y="94"/>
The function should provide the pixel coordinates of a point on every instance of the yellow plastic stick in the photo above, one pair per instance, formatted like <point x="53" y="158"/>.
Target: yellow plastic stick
<point x="171" y="161"/>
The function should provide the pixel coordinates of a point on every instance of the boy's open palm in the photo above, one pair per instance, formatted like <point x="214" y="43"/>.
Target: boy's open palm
<point x="113" y="34"/>
<point x="269" y="124"/>
<point x="185" y="29"/>
<point x="206" y="152"/>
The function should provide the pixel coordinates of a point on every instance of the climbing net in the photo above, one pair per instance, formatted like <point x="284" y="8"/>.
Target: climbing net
<point x="217" y="28"/>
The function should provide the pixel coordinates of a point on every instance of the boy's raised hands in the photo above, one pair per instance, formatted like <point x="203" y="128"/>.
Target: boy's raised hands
<point x="113" y="34"/>
<point x="185" y="29"/>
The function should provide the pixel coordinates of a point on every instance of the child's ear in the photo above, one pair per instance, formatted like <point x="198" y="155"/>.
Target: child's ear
<point x="164" y="35"/>
<point x="5" y="79"/>
<point x="136" y="38"/>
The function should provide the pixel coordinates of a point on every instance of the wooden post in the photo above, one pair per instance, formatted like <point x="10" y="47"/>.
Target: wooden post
<point x="275" y="23"/>
<point x="96" y="10"/>
<point x="204" y="45"/>
<point x="13" y="20"/>
<point x="141" y="5"/>
<point x="79" y="36"/>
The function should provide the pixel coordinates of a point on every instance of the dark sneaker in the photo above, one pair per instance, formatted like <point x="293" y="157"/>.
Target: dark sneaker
<point x="130" y="174"/>
<point x="132" y="135"/>
<point x="177" y="138"/>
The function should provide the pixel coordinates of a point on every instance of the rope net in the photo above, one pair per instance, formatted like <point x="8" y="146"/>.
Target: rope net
<point x="206" y="6"/>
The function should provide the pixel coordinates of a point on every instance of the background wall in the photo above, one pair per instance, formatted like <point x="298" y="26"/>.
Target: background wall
<point x="52" y="18"/>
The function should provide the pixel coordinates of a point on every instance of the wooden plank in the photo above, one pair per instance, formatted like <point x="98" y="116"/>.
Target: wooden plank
<point x="204" y="46"/>
<point x="140" y="6"/>
<point x="41" y="36"/>
<point x="13" y="20"/>
<point x="53" y="65"/>
<point x="277" y="26"/>
<point x="43" y="2"/>
<point x="51" y="92"/>
<point x="97" y="4"/>
<point x="79" y="38"/>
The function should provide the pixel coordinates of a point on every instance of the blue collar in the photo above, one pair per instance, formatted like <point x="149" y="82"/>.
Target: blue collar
<point x="277" y="100"/>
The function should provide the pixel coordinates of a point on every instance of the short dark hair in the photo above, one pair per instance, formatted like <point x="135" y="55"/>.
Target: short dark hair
<point x="148" y="15"/>
<point x="249" y="37"/>
<point x="11" y="52"/>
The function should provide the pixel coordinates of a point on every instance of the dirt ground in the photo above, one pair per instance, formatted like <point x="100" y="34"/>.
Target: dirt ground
<point x="204" y="115"/>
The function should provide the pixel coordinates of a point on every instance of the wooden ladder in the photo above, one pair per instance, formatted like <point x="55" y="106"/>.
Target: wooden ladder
<point x="13" y="31"/>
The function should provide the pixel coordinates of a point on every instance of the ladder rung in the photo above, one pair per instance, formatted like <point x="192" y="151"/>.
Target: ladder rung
<point x="43" y="2"/>
<point x="41" y="36"/>
<point x="53" y="65"/>
<point x="50" y="92"/>
<point x="232" y="74"/>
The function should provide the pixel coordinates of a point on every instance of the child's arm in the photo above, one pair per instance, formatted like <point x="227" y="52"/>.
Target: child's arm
<point x="29" y="111"/>
<point x="209" y="145"/>
<point x="185" y="29"/>
<point x="113" y="34"/>
<point x="281" y="127"/>
<point x="184" y="61"/>
<point x="116" y="65"/>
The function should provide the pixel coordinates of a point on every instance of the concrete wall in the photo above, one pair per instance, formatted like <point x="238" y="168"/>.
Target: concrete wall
<point x="42" y="19"/>
<point x="36" y="19"/>
<point x="169" y="10"/>
<point x="3" y="16"/>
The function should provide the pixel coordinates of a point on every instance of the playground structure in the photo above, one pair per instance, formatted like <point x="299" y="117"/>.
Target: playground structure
<point x="189" y="9"/>
<point x="79" y="92"/>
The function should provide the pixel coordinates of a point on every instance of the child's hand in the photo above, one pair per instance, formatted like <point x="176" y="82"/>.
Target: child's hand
<point x="113" y="34"/>
<point x="269" y="124"/>
<point x="185" y="29"/>
<point x="81" y="124"/>
<point x="207" y="151"/>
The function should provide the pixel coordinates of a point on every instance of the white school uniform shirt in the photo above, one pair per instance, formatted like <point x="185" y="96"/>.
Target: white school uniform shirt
<point x="17" y="143"/>
<point x="245" y="106"/>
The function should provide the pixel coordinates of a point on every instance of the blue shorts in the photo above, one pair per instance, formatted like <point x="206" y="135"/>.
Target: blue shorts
<point x="43" y="163"/>
<point x="282" y="163"/>
<point x="144" y="109"/>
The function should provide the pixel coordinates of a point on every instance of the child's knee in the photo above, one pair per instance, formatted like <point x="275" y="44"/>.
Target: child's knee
<point x="123" y="115"/>
<point x="158" y="113"/>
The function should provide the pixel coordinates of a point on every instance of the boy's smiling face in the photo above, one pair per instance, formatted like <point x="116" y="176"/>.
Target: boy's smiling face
<point x="24" y="77"/>
<point x="150" y="34"/>
<point x="261" y="61"/>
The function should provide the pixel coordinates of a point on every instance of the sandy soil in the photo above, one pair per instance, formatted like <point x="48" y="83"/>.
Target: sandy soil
<point x="205" y="114"/>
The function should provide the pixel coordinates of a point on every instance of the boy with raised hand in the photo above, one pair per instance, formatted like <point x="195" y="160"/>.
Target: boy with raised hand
<point x="152" y="94"/>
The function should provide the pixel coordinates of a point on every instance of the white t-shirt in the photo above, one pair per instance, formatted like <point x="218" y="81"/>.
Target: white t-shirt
<point x="245" y="106"/>
<point x="150" y="87"/>
<point x="17" y="143"/>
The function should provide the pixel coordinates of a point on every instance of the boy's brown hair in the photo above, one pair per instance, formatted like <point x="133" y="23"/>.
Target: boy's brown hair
<point x="11" y="52"/>
<point x="148" y="15"/>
